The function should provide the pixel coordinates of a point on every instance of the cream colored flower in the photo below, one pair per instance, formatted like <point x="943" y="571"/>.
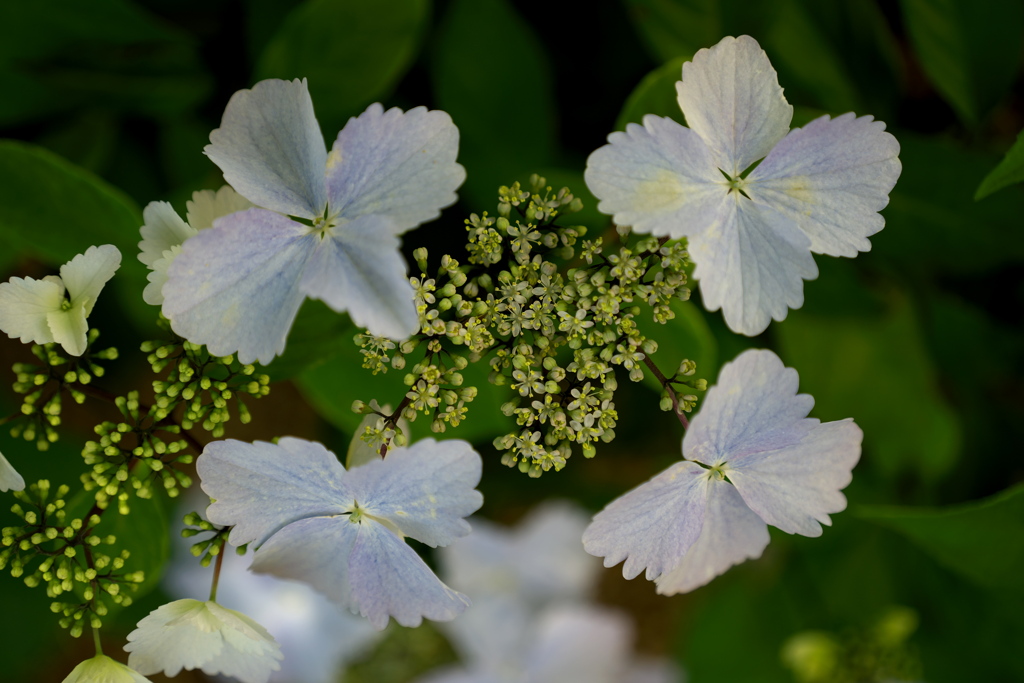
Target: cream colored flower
<point x="103" y="669"/>
<point x="10" y="480"/>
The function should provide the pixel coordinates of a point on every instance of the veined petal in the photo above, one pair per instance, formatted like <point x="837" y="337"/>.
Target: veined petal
<point x="388" y="578"/>
<point x="69" y="329"/>
<point x="797" y="487"/>
<point x="10" y="480"/>
<point x="731" y="97"/>
<point x="753" y="407"/>
<point x="162" y="230"/>
<point x="235" y="287"/>
<point x="732" y="533"/>
<point x="659" y="178"/>
<point x="425" y="490"/>
<point x="153" y="294"/>
<point x="24" y="305"/>
<point x="397" y="165"/>
<point x="271" y="150"/>
<point x="831" y="177"/>
<point x="206" y="206"/>
<point x="86" y="274"/>
<point x="250" y="653"/>
<point x="261" y="487"/>
<point x="175" y="636"/>
<point x="653" y="525"/>
<point x="315" y="551"/>
<point x="358" y="268"/>
<point x="752" y="264"/>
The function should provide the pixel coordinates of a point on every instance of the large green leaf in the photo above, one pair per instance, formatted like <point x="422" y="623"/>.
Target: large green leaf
<point x="876" y="370"/>
<point x="491" y="74"/>
<point x="656" y="95"/>
<point x="1009" y="171"/>
<point x="685" y="336"/>
<point x="970" y="49"/>
<point x="676" y="28"/>
<point x="352" y="52"/>
<point x="317" y="334"/>
<point x="979" y="540"/>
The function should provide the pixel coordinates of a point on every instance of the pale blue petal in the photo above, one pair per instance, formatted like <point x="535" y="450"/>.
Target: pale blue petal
<point x="731" y="97"/>
<point x="579" y="644"/>
<point x="358" y="268"/>
<point x="235" y="287"/>
<point x="10" y="480"/>
<point x="653" y="525"/>
<point x="658" y="178"/>
<point x="732" y="534"/>
<point x="315" y="551"/>
<point x="271" y="150"/>
<point x="85" y="275"/>
<point x="491" y="634"/>
<point x="388" y="578"/>
<point x="24" y="305"/>
<point x="260" y="487"/>
<point x="797" y="487"/>
<point x="751" y="264"/>
<point x="162" y="230"/>
<point x="397" y="165"/>
<point x="548" y="553"/>
<point x="831" y="177"/>
<point x="69" y="329"/>
<point x="753" y="407"/>
<point x="425" y="490"/>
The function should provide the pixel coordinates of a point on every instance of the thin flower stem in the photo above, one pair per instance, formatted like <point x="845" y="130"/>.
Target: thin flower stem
<point x="104" y="395"/>
<point x="671" y="391"/>
<point x="216" y="574"/>
<point x="13" y="416"/>
<point x="393" y="421"/>
<point x="96" y="640"/>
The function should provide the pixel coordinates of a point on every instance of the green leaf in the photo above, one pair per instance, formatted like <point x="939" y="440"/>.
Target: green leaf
<point x="676" y="28"/>
<point x="491" y="74"/>
<point x="876" y="370"/>
<point x="1009" y="171"/>
<point x="685" y="336"/>
<point x="352" y="52"/>
<point x="979" y="540"/>
<point x="656" y="95"/>
<point x="970" y="49"/>
<point x="316" y="336"/>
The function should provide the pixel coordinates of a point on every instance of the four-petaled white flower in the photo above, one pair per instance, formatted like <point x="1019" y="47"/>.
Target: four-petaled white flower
<point x="752" y="458"/>
<point x="103" y="669"/>
<point x="164" y="232"/>
<point x="328" y="228"/>
<point x="37" y="311"/>
<point x="10" y="480"/>
<point x="190" y="634"/>
<point x="751" y="230"/>
<point x="343" y="531"/>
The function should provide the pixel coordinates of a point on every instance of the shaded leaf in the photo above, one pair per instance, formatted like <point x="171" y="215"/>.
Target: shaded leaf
<point x="656" y="95"/>
<point x="686" y="336"/>
<point x="676" y="28"/>
<point x="1009" y="171"/>
<point x="317" y="334"/>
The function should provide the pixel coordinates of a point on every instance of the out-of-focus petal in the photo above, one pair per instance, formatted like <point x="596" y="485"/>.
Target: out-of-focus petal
<point x="85" y="275"/>
<point x="831" y="177"/>
<point x="358" y="268"/>
<point x="753" y="407"/>
<point x="259" y="488"/>
<point x="103" y="669"/>
<point x="492" y="633"/>
<point x="580" y="644"/>
<point x="235" y="287"/>
<point x="271" y="150"/>
<point x="658" y="178"/>
<point x="425" y="490"/>
<point x="10" y="480"/>
<point x="731" y="97"/>
<point x="653" y="525"/>
<point x="751" y="264"/>
<point x="24" y="305"/>
<point x="388" y="578"/>
<point x="69" y="329"/>
<point x="397" y="165"/>
<point x="732" y="533"/>
<point x="548" y="552"/>
<point x="206" y="206"/>
<point x="162" y="230"/>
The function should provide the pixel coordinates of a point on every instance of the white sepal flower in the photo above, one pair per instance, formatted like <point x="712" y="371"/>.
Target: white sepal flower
<point x="753" y="458"/>
<point x="751" y="230"/>
<point x="10" y="480"/>
<point x="37" y="312"/>
<point x="189" y="634"/>
<point x="103" y="669"/>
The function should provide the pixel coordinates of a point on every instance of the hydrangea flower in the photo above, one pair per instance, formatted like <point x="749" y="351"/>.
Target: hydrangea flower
<point x="328" y="228"/>
<point x="164" y="232"/>
<point x="190" y="634"/>
<point x="10" y="480"/>
<point x="751" y="227"/>
<point x="343" y="531"/>
<point x="37" y="311"/>
<point x="103" y="669"/>
<point x="752" y="457"/>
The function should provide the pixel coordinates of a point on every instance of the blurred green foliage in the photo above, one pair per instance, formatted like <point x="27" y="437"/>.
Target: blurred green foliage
<point x="107" y="105"/>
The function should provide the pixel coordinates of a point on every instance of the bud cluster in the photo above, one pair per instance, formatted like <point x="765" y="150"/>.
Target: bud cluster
<point x="207" y="550"/>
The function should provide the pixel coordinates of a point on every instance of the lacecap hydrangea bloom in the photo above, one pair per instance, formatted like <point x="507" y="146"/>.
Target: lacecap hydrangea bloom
<point x="10" y="480"/>
<point x="103" y="669"/>
<point x="751" y="226"/>
<point x="192" y="634"/>
<point x="36" y="311"/>
<point x="328" y="225"/>
<point x="752" y="457"/>
<point x="343" y="531"/>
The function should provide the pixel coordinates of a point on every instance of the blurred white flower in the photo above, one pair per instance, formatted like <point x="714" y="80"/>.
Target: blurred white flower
<point x="103" y="669"/>
<point x="10" y="480"/>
